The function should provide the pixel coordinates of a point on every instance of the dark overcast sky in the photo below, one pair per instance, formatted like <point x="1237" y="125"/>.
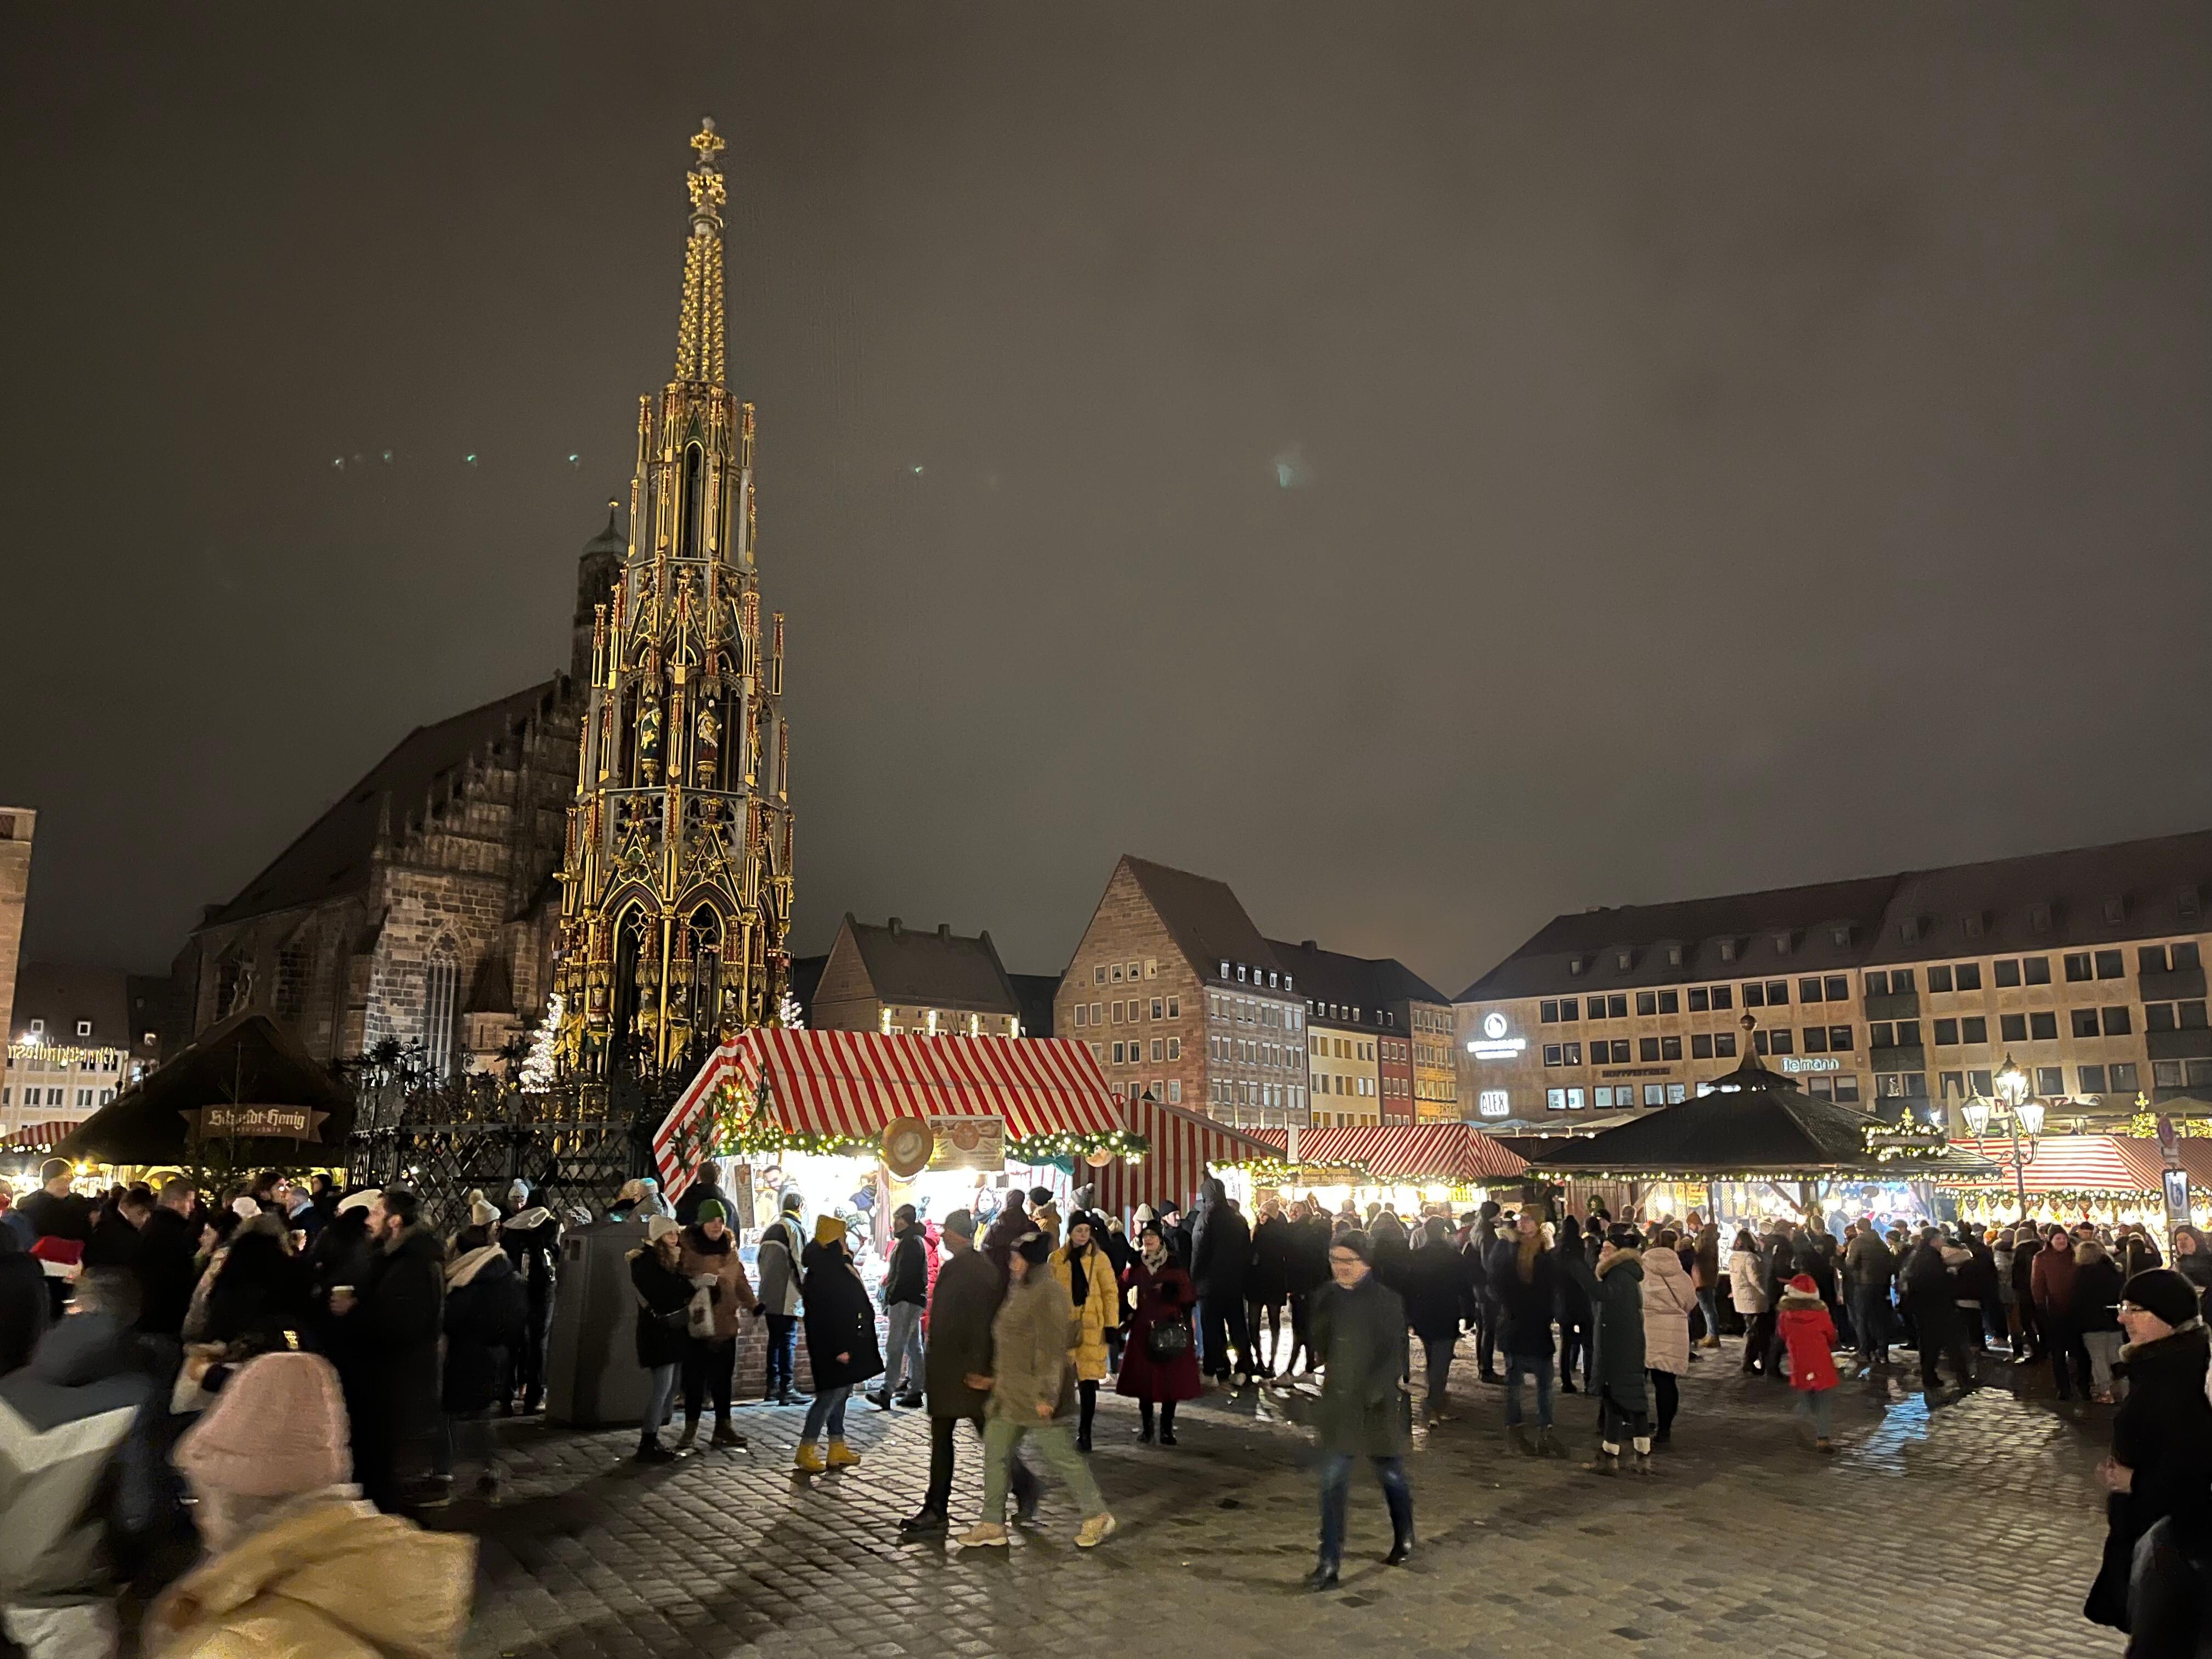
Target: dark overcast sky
<point x="1728" y="445"/>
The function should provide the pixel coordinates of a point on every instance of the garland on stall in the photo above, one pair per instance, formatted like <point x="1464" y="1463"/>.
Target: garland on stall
<point x="1919" y="1143"/>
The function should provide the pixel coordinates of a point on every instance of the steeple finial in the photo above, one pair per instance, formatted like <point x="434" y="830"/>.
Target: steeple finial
<point x="699" y="337"/>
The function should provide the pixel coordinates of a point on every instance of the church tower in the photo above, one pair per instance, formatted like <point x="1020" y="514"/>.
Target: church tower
<point x="676" y="890"/>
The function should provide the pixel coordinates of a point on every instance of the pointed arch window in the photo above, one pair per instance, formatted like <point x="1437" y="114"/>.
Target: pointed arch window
<point x="695" y="503"/>
<point x="442" y="986"/>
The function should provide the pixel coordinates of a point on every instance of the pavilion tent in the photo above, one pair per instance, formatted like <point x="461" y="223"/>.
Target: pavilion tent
<point x="1184" y="1148"/>
<point x="245" y="1093"/>
<point x="823" y="1091"/>
<point x="1753" y="1126"/>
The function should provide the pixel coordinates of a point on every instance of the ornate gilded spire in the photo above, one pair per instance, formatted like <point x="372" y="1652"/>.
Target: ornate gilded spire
<point x="699" y="338"/>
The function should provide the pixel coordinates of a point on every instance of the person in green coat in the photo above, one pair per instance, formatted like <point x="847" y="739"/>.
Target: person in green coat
<point x="1358" y="1326"/>
<point x="1615" y="1289"/>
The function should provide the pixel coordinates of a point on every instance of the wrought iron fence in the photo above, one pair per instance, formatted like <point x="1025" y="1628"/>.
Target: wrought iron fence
<point x="575" y="1143"/>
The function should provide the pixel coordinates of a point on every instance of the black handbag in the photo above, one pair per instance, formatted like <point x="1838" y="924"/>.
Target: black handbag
<point x="1166" y="1340"/>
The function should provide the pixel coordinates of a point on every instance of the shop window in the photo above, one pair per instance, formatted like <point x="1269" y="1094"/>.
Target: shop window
<point x="1655" y="1094"/>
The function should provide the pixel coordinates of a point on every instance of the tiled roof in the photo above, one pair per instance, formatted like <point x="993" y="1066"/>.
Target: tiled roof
<point x="1208" y="924"/>
<point x="2043" y="901"/>
<point x="1366" y="983"/>
<point x="62" y="994"/>
<point x="332" y="857"/>
<point x="938" y="969"/>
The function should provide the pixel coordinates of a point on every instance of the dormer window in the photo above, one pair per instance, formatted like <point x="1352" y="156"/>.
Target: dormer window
<point x="1782" y="944"/>
<point x="1575" y="964"/>
<point x="1625" y="960"/>
<point x="1909" y="929"/>
<point x="2038" y="918"/>
<point x="1727" y="950"/>
<point x="1974" y="924"/>
<point x="2191" y="906"/>
<point x="1841" y="935"/>
<point x="1674" y="956"/>
<point x="2116" y="909"/>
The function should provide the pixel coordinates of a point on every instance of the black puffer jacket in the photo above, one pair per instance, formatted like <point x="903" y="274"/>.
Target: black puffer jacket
<point x="1525" y="1328"/>
<point x="839" y="1319"/>
<point x="486" y="1304"/>
<point x="2162" y="1433"/>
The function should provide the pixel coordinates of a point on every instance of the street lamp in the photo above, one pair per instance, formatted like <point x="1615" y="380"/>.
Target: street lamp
<point x="2020" y="1111"/>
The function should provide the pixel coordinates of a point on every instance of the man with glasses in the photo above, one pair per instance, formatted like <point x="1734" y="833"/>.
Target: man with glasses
<point x="1359" y="1332"/>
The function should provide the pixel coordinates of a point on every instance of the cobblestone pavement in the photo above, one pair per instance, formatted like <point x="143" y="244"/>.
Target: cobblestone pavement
<point x="1970" y="1530"/>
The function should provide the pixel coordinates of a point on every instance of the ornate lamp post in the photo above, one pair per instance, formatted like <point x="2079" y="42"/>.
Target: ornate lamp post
<point x="2020" y="1111"/>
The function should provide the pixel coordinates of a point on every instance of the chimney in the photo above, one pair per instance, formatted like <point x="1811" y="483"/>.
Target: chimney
<point x="945" y="930"/>
<point x="1308" y="944"/>
<point x="897" y="927"/>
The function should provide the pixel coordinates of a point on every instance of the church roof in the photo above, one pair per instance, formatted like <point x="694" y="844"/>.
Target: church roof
<point x="332" y="858"/>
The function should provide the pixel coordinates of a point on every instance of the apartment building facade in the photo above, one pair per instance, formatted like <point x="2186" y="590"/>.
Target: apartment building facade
<point x="1179" y="996"/>
<point x="1892" y="993"/>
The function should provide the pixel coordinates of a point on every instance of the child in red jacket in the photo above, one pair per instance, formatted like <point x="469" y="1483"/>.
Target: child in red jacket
<point x="1809" y="1333"/>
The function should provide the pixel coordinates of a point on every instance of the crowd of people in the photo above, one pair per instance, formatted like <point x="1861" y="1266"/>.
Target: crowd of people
<point x="178" y="1321"/>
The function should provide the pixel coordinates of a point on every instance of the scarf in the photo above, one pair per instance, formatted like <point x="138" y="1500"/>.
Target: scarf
<point x="1155" y="1254"/>
<point x="1529" y="1249"/>
<point x="1078" y="1274"/>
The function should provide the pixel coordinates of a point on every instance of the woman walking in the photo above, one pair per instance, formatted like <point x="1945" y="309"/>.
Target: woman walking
<point x="1030" y="1397"/>
<point x="1084" y="1273"/>
<point x="1160" y="1365"/>
<point x="1669" y="1296"/>
<point x="486" y="1305"/>
<point x="1435" y="1275"/>
<point x="664" y="1299"/>
<point x="841" y="1344"/>
<point x="1575" y="1340"/>
<point x="1748" y="1290"/>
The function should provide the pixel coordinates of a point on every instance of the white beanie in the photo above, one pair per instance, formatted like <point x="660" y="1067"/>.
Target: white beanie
<point x="360" y="1200"/>
<point x="245" y="1208"/>
<point x="482" y="1212"/>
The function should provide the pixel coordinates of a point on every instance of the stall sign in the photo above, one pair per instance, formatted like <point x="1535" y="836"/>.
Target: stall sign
<point x="2177" y="1198"/>
<point x="267" y="1122"/>
<point x="1811" y="1063"/>
<point x="1494" y="1043"/>
<point x="968" y="1143"/>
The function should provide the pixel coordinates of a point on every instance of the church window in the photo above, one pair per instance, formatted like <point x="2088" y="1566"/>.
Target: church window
<point x="441" y="993"/>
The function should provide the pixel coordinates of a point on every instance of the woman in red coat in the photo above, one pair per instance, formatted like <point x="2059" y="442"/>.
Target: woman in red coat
<point x="1164" y="1368"/>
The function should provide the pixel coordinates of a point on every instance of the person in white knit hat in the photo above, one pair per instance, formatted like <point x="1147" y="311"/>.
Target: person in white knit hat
<point x="297" y="1562"/>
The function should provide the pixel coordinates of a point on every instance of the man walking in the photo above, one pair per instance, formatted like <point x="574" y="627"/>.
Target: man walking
<point x="1931" y="1290"/>
<point x="1359" y="1331"/>
<point x="906" y="1289"/>
<point x="969" y="1290"/>
<point x="399" y="1315"/>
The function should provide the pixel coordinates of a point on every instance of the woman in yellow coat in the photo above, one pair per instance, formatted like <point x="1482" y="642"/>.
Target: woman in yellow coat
<point x="1087" y="1276"/>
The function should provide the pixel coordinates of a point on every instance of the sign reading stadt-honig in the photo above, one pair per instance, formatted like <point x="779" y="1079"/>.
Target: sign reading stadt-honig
<point x="268" y="1122"/>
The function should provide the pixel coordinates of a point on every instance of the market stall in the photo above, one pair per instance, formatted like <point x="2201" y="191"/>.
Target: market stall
<point x="1185" y="1148"/>
<point x="245" y="1096"/>
<point x="1754" y="1145"/>
<point x="962" y="1120"/>
<point x="2106" y="1178"/>
<point x="1408" y="1166"/>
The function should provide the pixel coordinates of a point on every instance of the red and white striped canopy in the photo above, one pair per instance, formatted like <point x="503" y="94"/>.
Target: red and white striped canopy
<point x="1457" y="1154"/>
<point x="1183" y="1146"/>
<point x="852" y="1084"/>
<point x="36" y="1137"/>
<point x="2091" y="1164"/>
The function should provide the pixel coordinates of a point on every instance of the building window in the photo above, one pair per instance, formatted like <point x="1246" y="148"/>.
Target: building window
<point x="1655" y="1094"/>
<point x="441" y="996"/>
<point x="1700" y="999"/>
<point x="1947" y="1031"/>
<point x="2050" y="1080"/>
<point x="2111" y="965"/>
<point x="1175" y="1048"/>
<point x="1175" y="1008"/>
<point x="84" y="1028"/>
<point x="1847" y="1090"/>
<point x="1159" y="1050"/>
<point x="1647" y="1002"/>
<point x="1724" y="997"/>
<point x="1785" y="1041"/>
<point x="2012" y="1028"/>
<point x="1881" y="1034"/>
<point x="1701" y="1046"/>
<point x="2077" y="966"/>
<point x="1969" y="976"/>
<point x="2083" y="1021"/>
<point x="1816" y="1039"/>
<point x="83" y="1099"/>
<point x="2042" y="1028"/>
<point x="1974" y="1028"/>
<point x="1754" y="995"/>
<point x="1080" y="1010"/>
<point x="1939" y="979"/>
<point x="2123" y="1075"/>
<point x="1647" y="1048"/>
<point x="1877" y="983"/>
<point x="1556" y="1099"/>
<point x="1724" y="1045"/>
<point x="1670" y="1002"/>
<point x="2093" y="1079"/>
<point x="1159" y="1007"/>
<point x="1118" y="1010"/>
<point x="1117" y="1053"/>
<point x="1670" y="1047"/>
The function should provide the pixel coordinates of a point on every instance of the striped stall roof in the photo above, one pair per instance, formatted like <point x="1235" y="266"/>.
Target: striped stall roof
<point x="1457" y="1153"/>
<point x="1183" y="1146"/>
<point x="2092" y="1163"/>
<point x="37" y="1137"/>
<point x="853" y="1083"/>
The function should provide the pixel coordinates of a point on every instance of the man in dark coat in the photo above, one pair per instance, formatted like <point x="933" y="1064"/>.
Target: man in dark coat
<point x="2161" y="1459"/>
<point x="969" y="1288"/>
<point x="1220" y="1262"/>
<point x="168" y="1261"/>
<point x="706" y="1184"/>
<point x="485" y="1305"/>
<point x="531" y="1238"/>
<point x="1435" y="1278"/>
<point x="396" y="1316"/>
<point x="1482" y="1300"/>
<point x="60" y="1225"/>
<point x="1359" y="1330"/>
<point x="905" y="1291"/>
<point x="1869" y="1266"/>
<point x="1931" y="1294"/>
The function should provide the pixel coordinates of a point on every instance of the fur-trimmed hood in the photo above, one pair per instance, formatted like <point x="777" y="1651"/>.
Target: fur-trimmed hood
<point x="1625" y="1256"/>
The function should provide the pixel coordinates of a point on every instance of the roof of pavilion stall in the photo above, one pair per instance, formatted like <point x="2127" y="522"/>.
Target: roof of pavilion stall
<point x="823" y="1090"/>
<point x="245" y="1085"/>
<point x="1753" y="1122"/>
<point x="1457" y="1153"/>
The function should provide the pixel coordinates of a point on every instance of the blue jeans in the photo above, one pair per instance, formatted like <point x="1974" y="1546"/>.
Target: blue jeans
<point x="828" y="1408"/>
<point x="903" y="1347"/>
<point x="1711" y="1301"/>
<point x="1870" y="1320"/>
<point x="782" y="1352"/>
<point x="1335" y="1482"/>
<point x="660" y="1394"/>
<point x="1814" y="1403"/>
<point x="1538" y="1365"/>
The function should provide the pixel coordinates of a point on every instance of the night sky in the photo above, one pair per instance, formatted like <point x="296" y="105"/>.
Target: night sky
<point x="1432" y="466"/>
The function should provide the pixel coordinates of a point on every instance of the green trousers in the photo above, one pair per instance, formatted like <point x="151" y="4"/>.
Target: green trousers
<point x="1001" y="1434"/>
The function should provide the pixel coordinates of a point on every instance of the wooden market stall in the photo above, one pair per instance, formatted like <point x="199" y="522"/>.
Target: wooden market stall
<point x="2083" y="1177"/>
<point x="1755" y="1144"/>
<point x="1407" y="1165"/>
<point x="1184" y="1148"/>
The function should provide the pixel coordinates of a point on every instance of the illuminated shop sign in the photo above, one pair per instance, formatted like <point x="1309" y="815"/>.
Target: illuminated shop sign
<point x="1493" y="1043"/>
<point x="1811" y="1063"/>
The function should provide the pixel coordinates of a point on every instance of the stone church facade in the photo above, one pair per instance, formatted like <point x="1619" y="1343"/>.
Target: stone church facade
<point x="424" y="905"/>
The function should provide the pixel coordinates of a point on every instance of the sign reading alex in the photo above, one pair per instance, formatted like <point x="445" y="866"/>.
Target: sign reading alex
<point x="252" y="1122"/>
<point x="968" y="1143"/>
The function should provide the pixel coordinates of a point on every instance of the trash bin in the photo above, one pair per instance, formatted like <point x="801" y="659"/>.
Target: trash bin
<point x="592" y="1379"/>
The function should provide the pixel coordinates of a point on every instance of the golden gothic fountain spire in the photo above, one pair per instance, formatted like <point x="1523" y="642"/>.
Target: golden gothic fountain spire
<point x="699" y="339"/>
